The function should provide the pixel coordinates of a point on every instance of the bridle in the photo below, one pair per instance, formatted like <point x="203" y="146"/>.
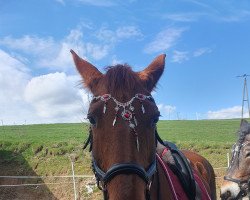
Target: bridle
<point x="244" y="185"/>
<point x="103" y="178"/>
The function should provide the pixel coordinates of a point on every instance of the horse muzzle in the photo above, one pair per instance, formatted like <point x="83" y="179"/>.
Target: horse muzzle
<point x="233" y="190"/>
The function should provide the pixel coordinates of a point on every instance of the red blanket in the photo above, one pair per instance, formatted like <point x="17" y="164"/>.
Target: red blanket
<point x="175" y="185"/>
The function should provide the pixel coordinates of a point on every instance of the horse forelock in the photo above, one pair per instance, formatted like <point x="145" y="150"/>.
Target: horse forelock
<point x="121" y="81"/>
<point x="243" y="132"/>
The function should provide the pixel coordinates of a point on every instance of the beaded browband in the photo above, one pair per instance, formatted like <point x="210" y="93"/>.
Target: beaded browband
<point x="127" y="112"/>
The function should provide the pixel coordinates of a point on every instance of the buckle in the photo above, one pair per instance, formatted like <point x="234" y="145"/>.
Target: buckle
<point x="101" y="185"/>
<point x="148" y="186"/>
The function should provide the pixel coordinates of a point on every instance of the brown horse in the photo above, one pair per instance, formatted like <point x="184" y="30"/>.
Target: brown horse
<point x="123" y="117"/>
<point x="236" y="184"/>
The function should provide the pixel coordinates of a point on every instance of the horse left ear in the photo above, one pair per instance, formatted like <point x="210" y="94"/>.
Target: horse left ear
<point x="90" y="74"/>
<point x="244" y="124"/>
<point x="153" y="72"/>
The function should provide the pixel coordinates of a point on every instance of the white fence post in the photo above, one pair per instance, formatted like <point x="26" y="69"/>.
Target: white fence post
<point x="72" y="159"/>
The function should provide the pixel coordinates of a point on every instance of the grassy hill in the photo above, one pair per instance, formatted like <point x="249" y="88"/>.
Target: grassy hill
<point x="47" y="146"/>
<point x="44" y="150"/>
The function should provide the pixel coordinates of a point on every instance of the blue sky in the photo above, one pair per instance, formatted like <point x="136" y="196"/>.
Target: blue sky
<point x="207" y="45"/>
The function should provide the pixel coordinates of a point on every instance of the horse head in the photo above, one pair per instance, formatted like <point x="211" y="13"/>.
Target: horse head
<point x="237" y="180"/>
<point x="123" y="117"/>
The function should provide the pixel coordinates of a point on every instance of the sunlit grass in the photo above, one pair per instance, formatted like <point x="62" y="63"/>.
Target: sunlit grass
<point x="47" y="147"/>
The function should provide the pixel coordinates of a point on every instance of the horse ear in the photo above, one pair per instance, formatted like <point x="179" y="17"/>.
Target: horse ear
<point x="90" y="74"/>
<point x="153" y="72"/>
<point x="244" y="124"/>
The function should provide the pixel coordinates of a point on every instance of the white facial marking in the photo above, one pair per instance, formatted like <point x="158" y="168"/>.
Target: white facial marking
<point x="232" y="187"/>
<point x="246" y="197"/>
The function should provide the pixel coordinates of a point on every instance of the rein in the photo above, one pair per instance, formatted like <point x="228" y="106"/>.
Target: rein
<point x="103" y="178"/>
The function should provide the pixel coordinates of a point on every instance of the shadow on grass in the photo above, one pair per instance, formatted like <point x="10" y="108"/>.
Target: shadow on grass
<point x="14" y="164"/>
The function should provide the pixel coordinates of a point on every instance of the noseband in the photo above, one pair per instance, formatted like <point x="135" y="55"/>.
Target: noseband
<point x="244" y="185"/>
<point x="103" y="178"/>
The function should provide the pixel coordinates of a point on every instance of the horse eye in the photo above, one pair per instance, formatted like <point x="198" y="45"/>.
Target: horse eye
<point x="91" y="120"/>
<point x="155" y="119"/>
<point x="247" y="154"/>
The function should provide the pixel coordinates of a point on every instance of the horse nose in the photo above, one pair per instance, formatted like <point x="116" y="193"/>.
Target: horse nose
<point x="226" y="195"/>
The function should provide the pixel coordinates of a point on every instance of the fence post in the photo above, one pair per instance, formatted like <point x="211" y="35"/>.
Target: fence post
<point x="72" y="159"/>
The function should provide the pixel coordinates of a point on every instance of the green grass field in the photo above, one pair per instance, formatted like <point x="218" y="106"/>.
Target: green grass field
<point x="44" y="150"/>
<point x="45" y="147"/>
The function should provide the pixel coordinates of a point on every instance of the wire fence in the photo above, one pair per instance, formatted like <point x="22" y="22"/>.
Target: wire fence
<point x="74" y="179"/>
<point x="69" y="186"/>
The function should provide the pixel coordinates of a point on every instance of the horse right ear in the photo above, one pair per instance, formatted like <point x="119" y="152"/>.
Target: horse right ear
<point x="90" y="74"/>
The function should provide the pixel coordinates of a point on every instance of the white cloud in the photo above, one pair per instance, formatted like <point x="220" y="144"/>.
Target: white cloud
<point x="164" y="40"/>
<point x="49" y="98"/>
<point x="182" y="17"/>
<point x="201" y="4"/>
<point x="235" y="16"/>
<point x="102" y="3"/>
<point x="47" y="52"/>
<point x="61" y="2"/>
<point x="97" y="3"/>
<point x="55" y="55"/>
<point x="218" y="11"/>
<point x="201" y="51"/>
<point x="180" y="56"/>
<point x="58" y="56"/>
<point x="108" y="39"/>
<point x="29" y="44"/>
<point x="226" y="113"/>
<point x="97" y="51"/>
<point x="13" y="77"/>
<point x="55" y="96"/>
<point x="116" y="61"/>
<point x="128" y="32"/>
<point x="106" y="35"/>
<point x="114" y="36"/>
<point x="166" y="110"/>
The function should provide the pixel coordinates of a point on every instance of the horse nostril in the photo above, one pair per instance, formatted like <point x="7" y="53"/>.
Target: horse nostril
<point x="228" y="195"/>
<point x="225" y="195"/>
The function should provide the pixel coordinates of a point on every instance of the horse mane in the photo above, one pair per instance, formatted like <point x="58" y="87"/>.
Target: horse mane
<point x="120" y="80"/>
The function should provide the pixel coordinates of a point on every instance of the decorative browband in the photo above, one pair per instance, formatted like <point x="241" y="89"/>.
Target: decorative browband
<point x="127" y="110"/>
